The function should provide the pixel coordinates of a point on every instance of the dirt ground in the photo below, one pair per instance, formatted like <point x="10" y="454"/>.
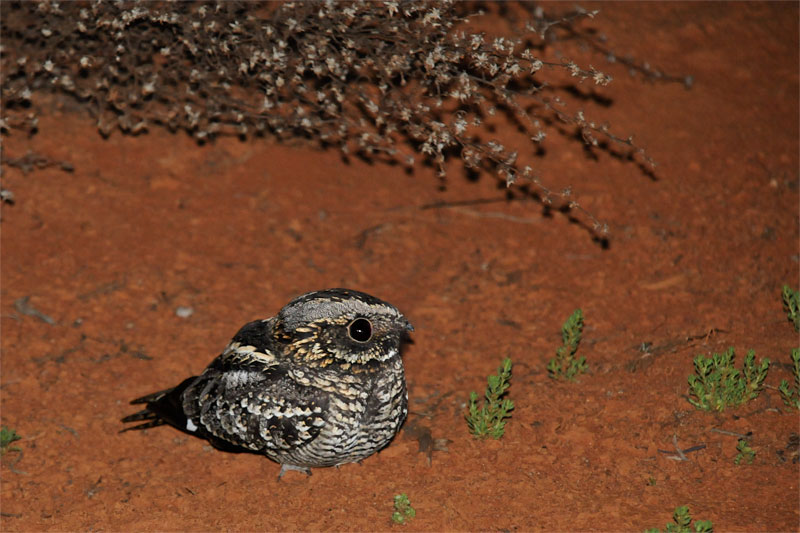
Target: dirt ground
<point x="694" y="264"/>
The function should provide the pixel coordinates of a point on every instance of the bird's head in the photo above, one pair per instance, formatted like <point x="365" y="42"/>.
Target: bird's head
<point x="343" y="326"/>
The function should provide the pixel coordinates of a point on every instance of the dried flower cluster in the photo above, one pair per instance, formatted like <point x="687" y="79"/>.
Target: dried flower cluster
<point x="381" y="79"/>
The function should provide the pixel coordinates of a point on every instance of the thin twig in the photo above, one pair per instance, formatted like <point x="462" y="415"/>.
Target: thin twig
<point x="23" y="307"/>
<point x="12" y="464"/>
<point x="681" y="453"/>
<point x="731" y="433"/>
<point x="695" y="448"/>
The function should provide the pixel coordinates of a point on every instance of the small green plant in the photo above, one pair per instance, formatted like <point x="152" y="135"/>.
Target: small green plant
<point x="402" y="509"/>
<point x="717" y="384"/>
<point x="791" y="303"/>
<point x="682" y="522"/>
<point x="746" y="453"/>
<point x="7" y="436"/>
<point x="489" y="420"/>
<point x="564" y="365"/>
<point x="791" y="396"/>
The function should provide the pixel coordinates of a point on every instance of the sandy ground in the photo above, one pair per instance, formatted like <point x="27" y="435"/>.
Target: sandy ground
<point x="694" y="264"/>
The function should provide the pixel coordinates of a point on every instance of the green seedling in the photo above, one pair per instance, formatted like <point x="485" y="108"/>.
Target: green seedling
<point x="746" y="453"/>
<point x="402" y="509"/>
<point x="682" y="523"/>
<point x="717" y="384"/>
<point x="7" y="436"/>
<point x="564" y="365"/>
<point x="490" y="419"/>
<point x="791" y="395"/>
<point x="791" y="303"/>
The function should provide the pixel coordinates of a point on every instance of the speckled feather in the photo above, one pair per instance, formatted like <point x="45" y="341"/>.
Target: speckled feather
<point x="298" y="387"/>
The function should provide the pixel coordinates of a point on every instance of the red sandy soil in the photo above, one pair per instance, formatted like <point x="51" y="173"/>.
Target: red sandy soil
<point x="694" y="264"/>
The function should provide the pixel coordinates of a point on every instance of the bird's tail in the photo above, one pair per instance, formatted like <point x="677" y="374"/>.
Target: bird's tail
<point x="162" y="407"/>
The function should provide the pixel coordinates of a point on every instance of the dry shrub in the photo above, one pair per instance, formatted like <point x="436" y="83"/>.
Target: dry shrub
<point x="388" y="80"/>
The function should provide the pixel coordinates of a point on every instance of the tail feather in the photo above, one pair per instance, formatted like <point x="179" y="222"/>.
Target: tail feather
<point x="162" y="407"/>
<point x="144" y="414"/>
<point x="155" y="396"/>
<point x="155" y="422"/>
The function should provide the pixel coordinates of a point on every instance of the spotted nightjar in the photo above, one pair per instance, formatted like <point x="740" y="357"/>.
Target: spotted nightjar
<point x="319" y="384"/>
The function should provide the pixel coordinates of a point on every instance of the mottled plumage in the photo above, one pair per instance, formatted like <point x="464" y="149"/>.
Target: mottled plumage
<point x="319" y="384"/>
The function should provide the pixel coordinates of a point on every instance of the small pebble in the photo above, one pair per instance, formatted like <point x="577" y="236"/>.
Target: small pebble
<point x="184" y="312"/>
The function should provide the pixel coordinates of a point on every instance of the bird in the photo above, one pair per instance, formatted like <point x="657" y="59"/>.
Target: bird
<point x="319" y="384"/>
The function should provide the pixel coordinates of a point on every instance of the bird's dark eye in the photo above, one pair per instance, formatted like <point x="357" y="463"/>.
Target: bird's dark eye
<point x="360" y="330"/>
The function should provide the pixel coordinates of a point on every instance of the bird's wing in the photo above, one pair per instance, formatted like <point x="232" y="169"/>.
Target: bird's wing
<point x="246" y="397"/>
<point x="260" y="409"/>
<point x="249" y="349"/>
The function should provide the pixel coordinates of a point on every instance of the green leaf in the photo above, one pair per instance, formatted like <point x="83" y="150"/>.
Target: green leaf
<point x="717" y="384"/>
<point x="489" y="419"/>
<point x="791" y="304"/>
<point x="746" y="453"/>
<point x="7" y="436"/>
<point x="564" y="365"/>
<point x="682" y="521"/>
<point x="789" y="395"/>
<point x="402" y="509"/>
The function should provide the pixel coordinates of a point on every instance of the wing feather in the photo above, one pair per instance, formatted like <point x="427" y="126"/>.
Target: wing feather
<point x="261" y="410"/>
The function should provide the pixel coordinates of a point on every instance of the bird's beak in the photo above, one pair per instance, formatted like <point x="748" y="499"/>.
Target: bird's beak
<point x="408" y="326"/>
